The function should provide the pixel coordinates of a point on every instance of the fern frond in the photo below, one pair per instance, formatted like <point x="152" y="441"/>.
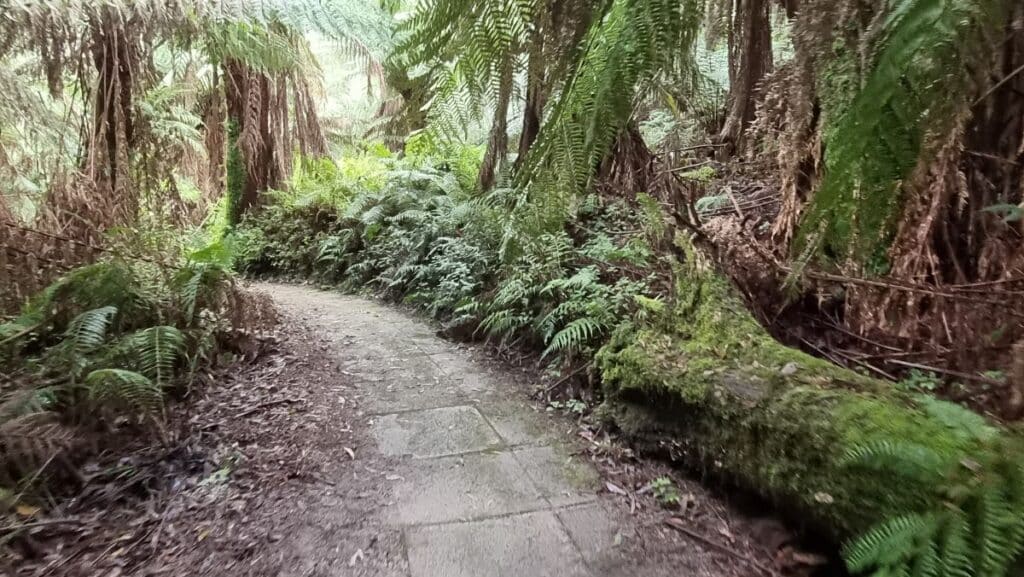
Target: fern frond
<point x="575" y="335"/>
<point x="154" y="351"/>
<point x="87" y="331"/>
<point x="890" y="545"/>
<point x="127" y="389"/>
<point x="911" y="460"/>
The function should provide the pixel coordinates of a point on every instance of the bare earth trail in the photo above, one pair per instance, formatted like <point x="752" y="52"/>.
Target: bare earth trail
<point x="468" y="478"/>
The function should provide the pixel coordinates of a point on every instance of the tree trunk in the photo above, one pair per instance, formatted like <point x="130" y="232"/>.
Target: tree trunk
<point x="497" y="142"/>
<point x="704" y="381"/>
<point x="750" y="59"/>
<point x="536" y="92"/>
<point x="249" y="97"/>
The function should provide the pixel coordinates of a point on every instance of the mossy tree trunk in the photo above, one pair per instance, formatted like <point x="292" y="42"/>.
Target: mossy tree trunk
<point x="705" y="381"/>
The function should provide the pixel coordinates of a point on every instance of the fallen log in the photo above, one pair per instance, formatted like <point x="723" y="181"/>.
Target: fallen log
<point x="703" y="379"/>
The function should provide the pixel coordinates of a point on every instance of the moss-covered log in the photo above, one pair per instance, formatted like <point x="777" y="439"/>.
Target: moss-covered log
<point x="704" y="378"/>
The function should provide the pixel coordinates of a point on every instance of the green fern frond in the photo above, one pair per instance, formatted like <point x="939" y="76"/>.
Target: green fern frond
<point x="575" y="335"/>
<point x="890" y="545"/>
<point x="128" y="389"/>
<point x="911" y="460"/>
<point x="87" y="331"/>
<point x="154" y="351"/>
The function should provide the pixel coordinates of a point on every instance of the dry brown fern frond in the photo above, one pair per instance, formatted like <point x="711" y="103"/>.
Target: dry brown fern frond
<point x="30" y="442"/>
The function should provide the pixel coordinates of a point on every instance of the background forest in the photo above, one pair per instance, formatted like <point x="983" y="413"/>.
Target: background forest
<point x="785" y="234"/>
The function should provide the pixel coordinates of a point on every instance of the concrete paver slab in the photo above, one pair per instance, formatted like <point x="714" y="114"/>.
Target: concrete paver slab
<point x="466" y="487"/>
<point x="434" y="432"/>
<point x="529" y="545"/>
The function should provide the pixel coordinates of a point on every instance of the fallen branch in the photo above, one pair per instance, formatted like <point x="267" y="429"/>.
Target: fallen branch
<point x="40" y="523"/>
<point x="678" y="525"/>
<point x="562" y="380"/>
<point x="958" y="374"/>
<point x="265" y="405"/>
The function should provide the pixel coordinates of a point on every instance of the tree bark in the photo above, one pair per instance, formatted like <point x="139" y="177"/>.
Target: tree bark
<point x="750" y="59"/>
<point x="497" y="142"/>
<point x="249" y="99"/>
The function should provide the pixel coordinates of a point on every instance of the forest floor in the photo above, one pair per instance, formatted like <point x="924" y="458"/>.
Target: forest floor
<point x="367" y="445"/>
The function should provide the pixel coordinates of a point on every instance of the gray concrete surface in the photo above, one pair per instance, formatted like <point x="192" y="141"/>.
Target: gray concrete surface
<point x="481" y="484"/>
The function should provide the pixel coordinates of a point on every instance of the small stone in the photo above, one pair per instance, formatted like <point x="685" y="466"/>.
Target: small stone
<point x="789" y="369"/>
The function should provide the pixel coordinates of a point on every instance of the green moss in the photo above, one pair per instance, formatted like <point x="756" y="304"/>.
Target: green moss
<point x="767" y="417"/>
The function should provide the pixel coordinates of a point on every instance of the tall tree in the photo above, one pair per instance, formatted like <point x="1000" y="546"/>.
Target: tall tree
<point x="750" y="59"/>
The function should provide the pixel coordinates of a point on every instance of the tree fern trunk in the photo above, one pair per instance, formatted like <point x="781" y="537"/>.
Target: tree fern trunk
<point x="497" y="142"/>
<point x="750" y="58"/>
<point x="536" y="93"/>
<point x="250" y="97"/>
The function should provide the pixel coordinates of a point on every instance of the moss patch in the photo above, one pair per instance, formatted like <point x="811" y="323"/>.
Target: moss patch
<point x="706" y="376"/>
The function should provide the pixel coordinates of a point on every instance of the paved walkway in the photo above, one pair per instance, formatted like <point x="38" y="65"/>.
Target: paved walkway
<point x="483" y="484"/>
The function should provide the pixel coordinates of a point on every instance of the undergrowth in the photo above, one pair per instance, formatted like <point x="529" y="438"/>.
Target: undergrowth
<point x="419" y="236"/>
<point x="95" y="355"/>
<point x="415" y="233"/>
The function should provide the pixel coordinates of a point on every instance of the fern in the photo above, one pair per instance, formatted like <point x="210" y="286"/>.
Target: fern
<point x="975" y="528"/>
<point x="575" y="335"/>
<point x="128" y="389"/>
<point x="873" y="145"/>
<point x="87" y="331"/>
<point x="155" y="351"/>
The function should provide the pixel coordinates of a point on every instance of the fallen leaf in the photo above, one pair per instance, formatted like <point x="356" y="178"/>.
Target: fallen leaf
<point x="26" y="510"/>
<point x="613" y="488"/>
<point x="724" y="532"/>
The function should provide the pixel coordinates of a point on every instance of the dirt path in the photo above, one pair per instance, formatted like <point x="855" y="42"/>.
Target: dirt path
<point x="473" y="480"/>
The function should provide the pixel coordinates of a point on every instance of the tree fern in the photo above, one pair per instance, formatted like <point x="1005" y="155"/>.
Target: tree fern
<point x="911" y="93"/>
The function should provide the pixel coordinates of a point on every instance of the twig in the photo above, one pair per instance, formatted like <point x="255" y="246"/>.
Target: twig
<point x="892" y="285"/>
<point x="562" y="380"/>
<point x="262" y="406"/>
<point x="676" y="524"/>
<point x="996" y="86"/>
<point x="949" y="372"/>
<point x="40" y="523"/>
<point x="992" y="157"/>
<point x="687" y="167"/>
<point x="20" y="334"/>
<point x="694" y="147"/>
<point x="736" y="205"/>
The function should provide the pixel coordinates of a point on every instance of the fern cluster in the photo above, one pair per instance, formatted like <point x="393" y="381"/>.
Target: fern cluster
<point x="976" y="525"/>
<point x="105" y="343"/>
<point x="422" y="238"/>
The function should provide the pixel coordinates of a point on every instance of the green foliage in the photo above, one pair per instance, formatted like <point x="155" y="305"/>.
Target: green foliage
<point x="626" y="48"/>
<point x="665" y="492"/>
<point x="975" y="527"/>
<point x="119" y="388"/>
<point x="421" y="238"/>
<point x="873" y="144"/>
<point x="108" y="342"/>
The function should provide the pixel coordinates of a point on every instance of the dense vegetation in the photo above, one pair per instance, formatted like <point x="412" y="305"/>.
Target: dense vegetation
<point x="648" y="195"/>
